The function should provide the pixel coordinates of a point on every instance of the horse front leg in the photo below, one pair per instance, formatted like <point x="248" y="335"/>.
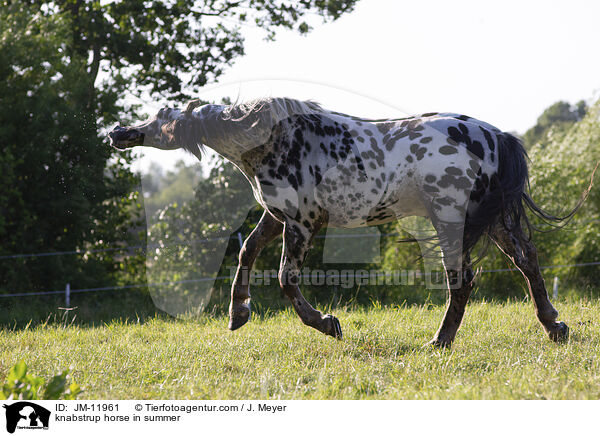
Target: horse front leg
<point x="265" y="231"/>
<point x="296" y="242"/>
<point x="460" y="285"/>
<point x="459" y="278"/>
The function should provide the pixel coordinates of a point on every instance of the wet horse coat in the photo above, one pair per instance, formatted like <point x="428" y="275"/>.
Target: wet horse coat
<point x="311" y="167"/>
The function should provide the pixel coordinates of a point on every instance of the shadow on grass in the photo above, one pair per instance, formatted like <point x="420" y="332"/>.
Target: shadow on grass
<point x="92" y="310"/>
<point x="85" y="311"/>
<point x="582" y="335"/>
<point x="366" y="346"/>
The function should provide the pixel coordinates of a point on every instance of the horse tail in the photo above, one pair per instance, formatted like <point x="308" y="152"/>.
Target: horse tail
<point x="507" y="200"/>
<point x="551" y="219"/>
<point x="503" y="201"/>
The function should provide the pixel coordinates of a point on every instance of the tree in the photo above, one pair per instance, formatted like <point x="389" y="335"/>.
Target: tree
<point x="176" y="186"/>
<point x="556" y="120"/>
<point x="61" y="189"/>
<point x="560" y="169"/>
<point x="196" y="240"/>
<point x="172" y="48"/>
<point x="561" y="172"/>
<point x="65" y="190"/>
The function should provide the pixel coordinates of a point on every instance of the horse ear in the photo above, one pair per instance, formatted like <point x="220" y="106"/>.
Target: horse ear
<point x="173" y="132"/>
<point x="193" y="104"/>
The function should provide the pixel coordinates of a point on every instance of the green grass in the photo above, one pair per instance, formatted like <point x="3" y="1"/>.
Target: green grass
<point x="500" y="352"/>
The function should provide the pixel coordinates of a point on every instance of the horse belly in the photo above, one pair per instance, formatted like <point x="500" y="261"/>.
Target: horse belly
<point x="357" y="199"/>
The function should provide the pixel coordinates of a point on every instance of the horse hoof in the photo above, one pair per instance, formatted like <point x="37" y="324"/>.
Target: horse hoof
<point x="559" y="333"/>
<point x="335" y="329"/>
<point x="239" y="316"/>
<point x="438" y="343"/>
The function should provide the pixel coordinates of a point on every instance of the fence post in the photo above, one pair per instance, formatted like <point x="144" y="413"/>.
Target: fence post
<point x="68" y="295"/>
<point x="555" y="288"/>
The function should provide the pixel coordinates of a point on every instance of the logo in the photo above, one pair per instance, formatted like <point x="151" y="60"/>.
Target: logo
<point x="26" y="415"/>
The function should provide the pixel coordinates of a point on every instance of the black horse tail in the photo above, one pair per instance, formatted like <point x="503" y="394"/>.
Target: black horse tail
<point x="507" y="198"/>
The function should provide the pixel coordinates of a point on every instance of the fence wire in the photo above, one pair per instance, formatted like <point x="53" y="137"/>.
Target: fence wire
<point x="205" y="279"/>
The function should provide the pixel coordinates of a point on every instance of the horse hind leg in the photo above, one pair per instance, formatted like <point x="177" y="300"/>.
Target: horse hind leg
<point x="296" y="243"/>
<point x="459" y="281"/>
<point x="265" y="231"/>
<point x="523" y="254"/>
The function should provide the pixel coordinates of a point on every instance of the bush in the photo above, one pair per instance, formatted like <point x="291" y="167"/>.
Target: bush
<point x="22" y="386"/>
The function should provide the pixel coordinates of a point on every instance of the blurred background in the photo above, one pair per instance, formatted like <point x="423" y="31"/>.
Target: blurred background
<point x="105" y="232"/>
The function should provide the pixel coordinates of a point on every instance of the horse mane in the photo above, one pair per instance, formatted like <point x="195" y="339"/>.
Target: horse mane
<point x="255" y="121"/>
<point x="274" y="108"/>
<point x="258" y="118"/>
<point x="279" y="108"/>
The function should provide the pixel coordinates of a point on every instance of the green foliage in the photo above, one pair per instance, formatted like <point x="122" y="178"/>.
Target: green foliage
<point x="64" y="191"/>
<point x="71" y="62"/>
<point x="172" y="48"/>
<point x="189" y="240"/>
<point x="554" y="122"/>
<point x="11" y="199"/>
<point x="176" y="186"/>
<point x="19" y="385"/>
<point x="561" y="173"/>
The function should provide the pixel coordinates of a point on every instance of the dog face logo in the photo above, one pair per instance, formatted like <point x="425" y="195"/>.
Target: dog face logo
<point x="24" y="414"/>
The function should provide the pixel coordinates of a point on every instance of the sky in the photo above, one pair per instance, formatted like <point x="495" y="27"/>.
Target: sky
<point x="501" y="62"/>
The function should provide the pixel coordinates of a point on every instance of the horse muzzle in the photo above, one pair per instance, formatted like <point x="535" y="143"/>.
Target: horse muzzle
<point x="125" y="137"/>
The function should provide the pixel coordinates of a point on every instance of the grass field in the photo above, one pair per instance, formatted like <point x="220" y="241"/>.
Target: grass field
<point x="501" y="352"/>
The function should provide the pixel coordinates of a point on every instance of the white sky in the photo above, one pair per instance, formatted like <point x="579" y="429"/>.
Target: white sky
<point x="502" y="62"/>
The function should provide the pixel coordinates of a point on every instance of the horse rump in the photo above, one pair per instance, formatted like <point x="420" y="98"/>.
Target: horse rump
<point x="507" y="199"/>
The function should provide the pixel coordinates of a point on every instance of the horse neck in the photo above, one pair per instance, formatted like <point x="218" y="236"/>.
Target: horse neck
<point x="239" y="141"/>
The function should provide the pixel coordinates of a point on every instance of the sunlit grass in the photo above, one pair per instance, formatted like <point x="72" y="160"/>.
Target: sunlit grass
<point x="501" y="352"/>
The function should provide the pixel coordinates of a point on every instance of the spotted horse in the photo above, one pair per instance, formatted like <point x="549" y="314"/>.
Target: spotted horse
<point x="310" y="167"/>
